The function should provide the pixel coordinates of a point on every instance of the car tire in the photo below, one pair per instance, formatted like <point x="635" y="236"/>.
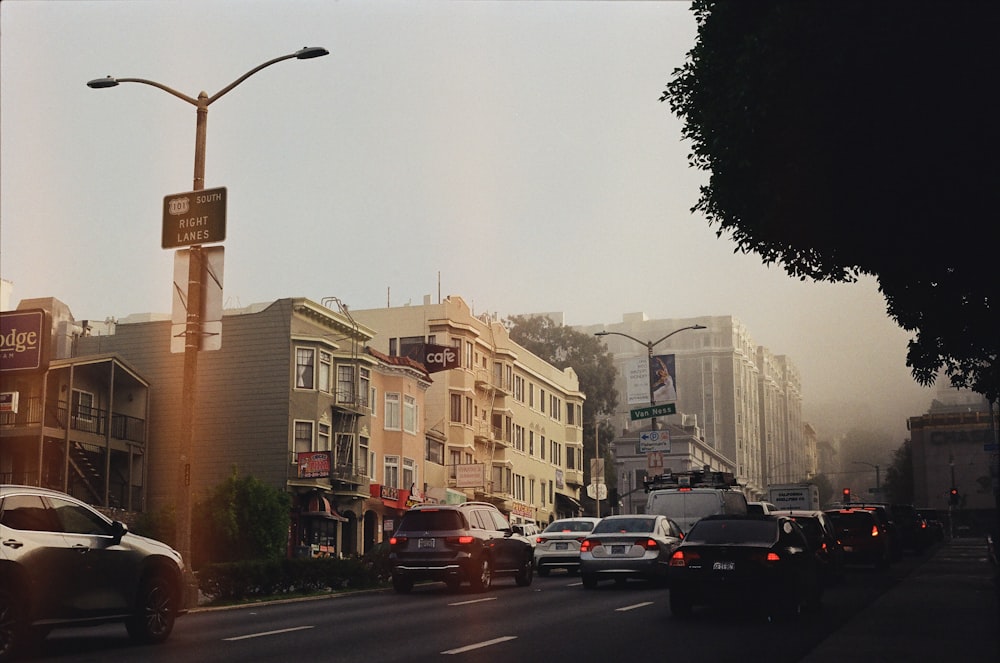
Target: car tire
<point x="524" y="577"/>
<point x="155" y="611"/>
<point x="482" y="575"/>
<point x="402" y="584"/>
<point x="589" y="580"/>
<point x="543" y="571"/>
<point x="11" y="626"/>
<point x="680" y="604"/>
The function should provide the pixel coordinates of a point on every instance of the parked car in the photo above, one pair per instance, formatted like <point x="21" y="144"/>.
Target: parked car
<point x="558" y="545"/>
<point x="629" y="546"/>
<point x="63" y="563"/>
<point x="822" y="536"/>
<point x="454" y="543"/>
<point x="766" y="560"/>
<point x="863" y="537"/>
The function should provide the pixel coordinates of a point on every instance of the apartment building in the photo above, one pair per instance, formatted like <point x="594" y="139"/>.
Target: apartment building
<point x="511" y="423"/>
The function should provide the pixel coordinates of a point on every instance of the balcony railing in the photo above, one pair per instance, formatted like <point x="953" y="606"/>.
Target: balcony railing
<point x="84" y="419"/>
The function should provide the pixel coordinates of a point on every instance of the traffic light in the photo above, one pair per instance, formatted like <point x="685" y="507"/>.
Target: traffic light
<point x="847" y="495"/>
<point x="953" y="496"/>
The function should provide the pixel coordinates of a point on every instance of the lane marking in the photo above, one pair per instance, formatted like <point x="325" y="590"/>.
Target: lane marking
<point x="633" y="607"/>
<point x="480" y="645"/>
<point x="471" y="601"/>
<point x="262" y="634"/>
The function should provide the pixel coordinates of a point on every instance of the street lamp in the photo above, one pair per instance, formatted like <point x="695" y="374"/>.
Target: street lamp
<point x="649" y="350"/>
<point x="192" y="332"/>
<point x="878" y="484"/>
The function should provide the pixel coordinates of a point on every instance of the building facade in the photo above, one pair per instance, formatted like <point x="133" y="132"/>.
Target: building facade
<point x="512" y="424"/>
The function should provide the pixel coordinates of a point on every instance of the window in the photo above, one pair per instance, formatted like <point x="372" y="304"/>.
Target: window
<point x="373" y="400"/>
<point x="555" y="455"/>
<point x="541" y="445"/>
<point x="393" y="345"/>
<point x="364" y="455"/>
<point x="434" y="451"/>
<point x="391" y="478"/>
<point x="365" y="385"/>
<point x="391" y="411"/>
<point x="571" y="414"/>
<point x="409" y="473"/>
<point x="519" y="388"/>
<point x="454" y="460"/>
<point x="518" y="437"/>
<point x="467" y="419"/>
<point x="325" y="371"/>
<point x="555" y="408"/>
<point x="456" y="408"/>
<point x="531" y="443"/>
<point x="305" y="361"/>
<point x="345" y="383"/>
<point x="541" y="399"/>
<point x="409" y="414"/>
<point x="323" y="438"/>
<point x="83" y="406"/>
<point x="303" y="436"/>
<point x="468" y="355"/>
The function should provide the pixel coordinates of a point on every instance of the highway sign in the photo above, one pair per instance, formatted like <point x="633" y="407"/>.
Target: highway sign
<point x="194" y="218"/>
<point x="653" y="411"/>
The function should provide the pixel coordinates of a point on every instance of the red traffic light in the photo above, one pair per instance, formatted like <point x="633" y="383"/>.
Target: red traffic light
<point x="847" y="494"/>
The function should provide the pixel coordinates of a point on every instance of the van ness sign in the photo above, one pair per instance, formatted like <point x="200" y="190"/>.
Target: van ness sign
<point x="24" y="340"/>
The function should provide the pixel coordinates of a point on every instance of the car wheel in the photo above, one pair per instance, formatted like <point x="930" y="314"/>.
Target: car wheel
<point x="680" y="604"/>
<point x="526" y="574"/>
<point x="543" y="571"/>
<point x="11" y="628"/>
<point x="402" y="584"/>
<point x="482" y="576"/>
<point x="156" y="610"/>
<point x="589" y="580"/>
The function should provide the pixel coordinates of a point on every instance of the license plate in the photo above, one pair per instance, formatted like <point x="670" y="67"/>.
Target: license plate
<point x="618" y="550"/>
<point x="723" y="566"/>
<point x="425" y="543"/>
<point x="848" y="548"/>
<point x="562" y="546"/>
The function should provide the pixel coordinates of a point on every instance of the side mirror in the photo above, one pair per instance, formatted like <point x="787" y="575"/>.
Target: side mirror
<point x="118" y="530"/>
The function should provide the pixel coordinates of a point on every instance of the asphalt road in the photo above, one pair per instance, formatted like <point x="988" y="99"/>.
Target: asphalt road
<point x="554" y="618"/>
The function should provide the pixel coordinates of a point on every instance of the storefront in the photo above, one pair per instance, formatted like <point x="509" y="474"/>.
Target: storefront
<point x="318" y="527"/>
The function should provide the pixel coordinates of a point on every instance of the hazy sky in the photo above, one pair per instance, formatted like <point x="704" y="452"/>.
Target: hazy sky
<point x="516" y="153"/>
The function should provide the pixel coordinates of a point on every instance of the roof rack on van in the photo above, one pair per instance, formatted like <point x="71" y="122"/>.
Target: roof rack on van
<point x="690" y="479"/>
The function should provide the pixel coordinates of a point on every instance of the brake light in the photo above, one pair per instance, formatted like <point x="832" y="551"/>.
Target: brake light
<point x="874" y="530"/>
<point x="397" y="540"/>
<point x="682" y="558"/>
<point x="648" y="544"/>
<point x="684" y="489"/>
<point x="588" y="544"/>
<point x="772" y="557"/>
<point x="463" y="540"/>
<point x="539" y="539"/>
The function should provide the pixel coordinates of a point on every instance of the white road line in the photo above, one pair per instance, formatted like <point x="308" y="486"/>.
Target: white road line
<point x="633" y="607"/>
<point x="490" y="598"/>
<point x="261" y="635"/>
<point x="480" y="645"/>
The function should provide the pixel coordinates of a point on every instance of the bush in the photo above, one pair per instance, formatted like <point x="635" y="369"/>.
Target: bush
<point x="255" y="579"/>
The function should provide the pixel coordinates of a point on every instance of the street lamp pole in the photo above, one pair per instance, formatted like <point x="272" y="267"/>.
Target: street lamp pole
<point x="878" y="483"/>
<point x="649" y="354"/>
<point x="192" y="331"/>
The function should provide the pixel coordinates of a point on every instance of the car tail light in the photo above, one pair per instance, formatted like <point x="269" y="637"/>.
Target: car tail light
<point x="540" y="539"/>
<point x="588" y="544"/>
<point x="772" y="557"/>
<point x="463" y="540"/>
<point x="648" y="544"/>
<point x="683" y="557"/>
<point x="874" y="530"/>
<point x="397" y="540"/>
<point x="684" y="489"/>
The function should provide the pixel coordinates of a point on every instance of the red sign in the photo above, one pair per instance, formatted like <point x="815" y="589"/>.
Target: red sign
<point x="24" y="340"/>
<point x="313" y="464"/>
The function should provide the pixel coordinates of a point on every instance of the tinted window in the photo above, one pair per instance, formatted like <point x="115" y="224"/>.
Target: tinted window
<point x="570" y="526"/>
<point x="76" y="519"/>
<point x="624" y="525"/>
<point x="432" y="520"/>
<point x="734" y="531"/>
<point x="28" y="512"/>
<point x="856" y="522"/>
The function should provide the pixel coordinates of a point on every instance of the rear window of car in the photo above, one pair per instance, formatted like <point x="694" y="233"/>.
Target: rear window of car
<point x="570" y="526"/>
<point x="852" y="521"/>
<point x="733" y="531"/>
<point x="427" y="520"/>
<point x="624" y="525"/>
<point x="812" y="528"/>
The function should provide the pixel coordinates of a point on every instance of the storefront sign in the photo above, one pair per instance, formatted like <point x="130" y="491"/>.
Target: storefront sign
<point x="434" y="357"/>
<point x="313" y="464"/>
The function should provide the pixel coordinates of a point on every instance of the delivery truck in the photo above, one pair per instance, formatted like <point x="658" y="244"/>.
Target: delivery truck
<point x="798" y="496"/>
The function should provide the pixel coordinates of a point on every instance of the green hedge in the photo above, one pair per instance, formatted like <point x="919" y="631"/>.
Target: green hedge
<point x="248" y="580"/>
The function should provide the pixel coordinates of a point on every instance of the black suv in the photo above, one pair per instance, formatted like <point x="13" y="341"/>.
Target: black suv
<point x="457" y="542"/>
<point x="62" y="563"/>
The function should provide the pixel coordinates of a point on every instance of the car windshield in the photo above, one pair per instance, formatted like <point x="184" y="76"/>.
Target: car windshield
<point x="609" y="525"/>
<point x="427" y="520"/>
<point x="570" y="526"/>
<point x="734" y="531"/>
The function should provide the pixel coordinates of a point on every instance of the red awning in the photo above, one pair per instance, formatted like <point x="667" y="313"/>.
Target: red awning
<point x="319" y="507"/>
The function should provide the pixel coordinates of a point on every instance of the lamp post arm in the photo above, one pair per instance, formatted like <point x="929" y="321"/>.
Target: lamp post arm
<point x="165" y="88"/>
<point x="616" y="333"/>
<point x="247" y="75"/>
<point x="676" y="331"/>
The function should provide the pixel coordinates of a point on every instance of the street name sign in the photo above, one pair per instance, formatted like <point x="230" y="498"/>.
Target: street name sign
<point x="653" y="411"/>
<point x="194" y="218"/>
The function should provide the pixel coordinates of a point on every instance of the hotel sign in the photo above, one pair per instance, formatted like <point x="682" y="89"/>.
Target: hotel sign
<point x="24" y="340"/>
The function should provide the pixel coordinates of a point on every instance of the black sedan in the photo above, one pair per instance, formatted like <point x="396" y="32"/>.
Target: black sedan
<point x="766" y="559"/>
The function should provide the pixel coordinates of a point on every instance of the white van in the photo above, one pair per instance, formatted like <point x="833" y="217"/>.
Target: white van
<point x="688" y="497"/>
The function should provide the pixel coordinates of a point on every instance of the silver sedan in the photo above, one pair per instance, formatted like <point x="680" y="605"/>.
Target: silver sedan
<point x="629" y="546"/>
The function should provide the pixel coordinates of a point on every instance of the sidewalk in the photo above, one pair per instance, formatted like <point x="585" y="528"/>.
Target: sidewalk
<point x="945" y="610"/>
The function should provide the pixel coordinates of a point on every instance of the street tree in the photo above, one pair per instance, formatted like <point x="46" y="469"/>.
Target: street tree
<point x="859" y="138"/>
<point x="898" y="484"/>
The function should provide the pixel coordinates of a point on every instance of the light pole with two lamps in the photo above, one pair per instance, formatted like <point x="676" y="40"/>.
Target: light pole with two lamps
<point x="193" y="326"/>
<point x="649" y="353"/>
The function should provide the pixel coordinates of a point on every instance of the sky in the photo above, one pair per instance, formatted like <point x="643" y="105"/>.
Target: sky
<point x="513" y="153"/>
